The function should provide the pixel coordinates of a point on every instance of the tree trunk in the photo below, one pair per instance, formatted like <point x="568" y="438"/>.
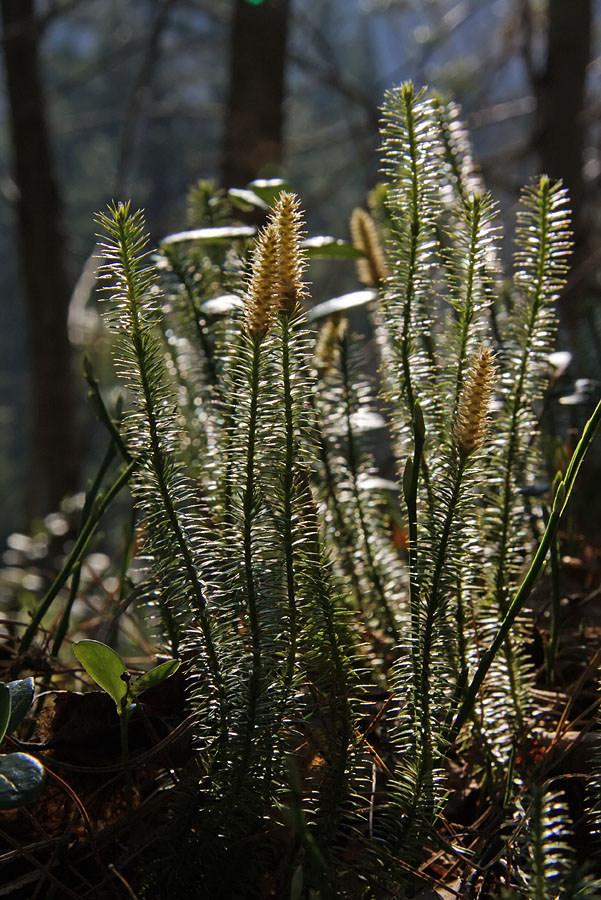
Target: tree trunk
<point x="54" y="457"/>
<point x="254" y="116"/>
<point x="559" y="140"/>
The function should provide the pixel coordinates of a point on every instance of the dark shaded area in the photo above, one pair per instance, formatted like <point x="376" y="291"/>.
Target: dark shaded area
<point x="559" y="137"/>
<point x="54" y="461"/>
<point x="253" y="116"/>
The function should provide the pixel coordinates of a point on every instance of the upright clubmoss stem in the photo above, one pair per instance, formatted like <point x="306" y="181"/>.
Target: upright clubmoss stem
<point x="563" y="491"/>
<point x="288" y="483"/>
<point x="122" y="225"/>
<point x="410" y="488"/>
<point x="415" y="228"/>
<point x="474" y="215"/>
<point x="290" y="289"/>
<point x="248" y="506"/>
<point x="508" y="490"/>
<point x="261" y="305"/>
<point x="469" y="435"/>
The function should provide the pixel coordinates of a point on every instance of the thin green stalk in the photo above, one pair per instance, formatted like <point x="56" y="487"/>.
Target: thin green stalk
<point x="579" y="453"/>
<point x="102" y="504"/>
<point x="551" y="649"/>
<point x="97" y="402"/>
<point x="63" y="627"/>
<point x="85" y="513"/>
<point x="562" y="497"/>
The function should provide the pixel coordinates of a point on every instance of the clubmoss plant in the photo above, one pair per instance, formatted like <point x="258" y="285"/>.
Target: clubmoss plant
<point x="332" y="667"/>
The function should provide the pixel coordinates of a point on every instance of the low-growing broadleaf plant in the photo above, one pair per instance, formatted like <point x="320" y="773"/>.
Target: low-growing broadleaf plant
<point x="22" y="777"/>
<point x="108" y="670"/>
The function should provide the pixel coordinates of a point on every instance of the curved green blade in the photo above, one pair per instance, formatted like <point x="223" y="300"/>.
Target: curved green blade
<point x="211" y="235"/>
<point x="154" y="677"/>
<point x="269" y="189"/>
<point x="21" y="780"/>
<point x="246" y="200"/>
<point x="330" y="247"/>
<point x="341" y="304"/>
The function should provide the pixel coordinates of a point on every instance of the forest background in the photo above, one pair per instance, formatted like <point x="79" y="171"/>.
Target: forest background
<point x="104" y="99"/>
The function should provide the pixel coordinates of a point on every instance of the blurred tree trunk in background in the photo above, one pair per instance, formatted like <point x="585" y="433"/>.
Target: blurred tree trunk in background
<point x="254" y="114"/>
<point x="560" y="133"/>
<point x="54" y="457"/>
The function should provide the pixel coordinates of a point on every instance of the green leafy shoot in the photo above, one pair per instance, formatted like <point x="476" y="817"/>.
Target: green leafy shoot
<point x="268" y="189"/>
<point x="108" y="670"/>
<point x="106" y="667"/>
<point x="328" y="247"/>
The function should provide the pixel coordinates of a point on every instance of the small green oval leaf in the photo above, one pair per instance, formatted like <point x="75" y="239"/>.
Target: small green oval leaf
<point x="154" y="677"/>
<point x="269" y="189"/>
<point x="211" y="235"/>
<point x="21" y="696"/>
<point x="341" y="304"/>
<point x="105" y="666"/>
<point x="324" y="245"/>
<point x="221" y="305"/>
<point x="246" y="200"/>
<point x="4" y="710"/>
<point x="21" y="780"/>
